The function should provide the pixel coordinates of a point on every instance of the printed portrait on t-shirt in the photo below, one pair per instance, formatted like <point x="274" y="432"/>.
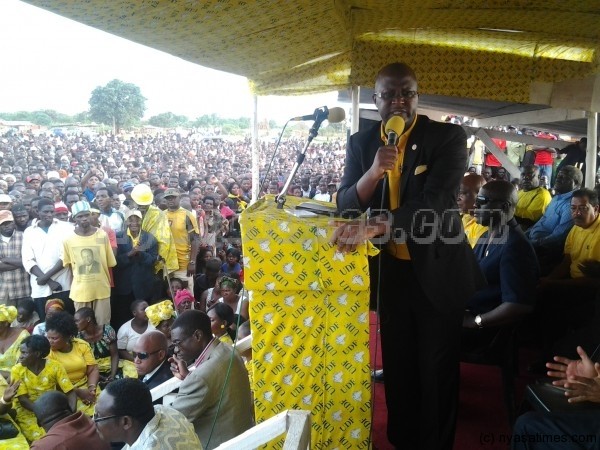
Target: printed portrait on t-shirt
<point x="88" y="261"/>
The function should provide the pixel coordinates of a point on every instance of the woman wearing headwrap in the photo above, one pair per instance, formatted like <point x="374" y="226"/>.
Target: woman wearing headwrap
<point x="52" y="306"/>
<point x="161" y="316"/>
<point x="184" y="300"/>
<point x="10" y="340"/>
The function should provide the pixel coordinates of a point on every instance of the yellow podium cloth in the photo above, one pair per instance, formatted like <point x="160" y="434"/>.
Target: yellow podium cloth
<point x="309" y="312"/>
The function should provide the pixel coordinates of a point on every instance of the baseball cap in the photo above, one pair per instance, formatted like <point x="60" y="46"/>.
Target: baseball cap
<point x="79" y="207"/>
<point x="133" y="212"/>
<point x="60" y="207"/>
<point x="127" y="186"/>
<point x="6" y="216"/>
<point x="172" y="192"/>
<point x="5" y="198"/>
<point x="142" y="194"/>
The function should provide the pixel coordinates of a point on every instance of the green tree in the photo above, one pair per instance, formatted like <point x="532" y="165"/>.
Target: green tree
<point x="118" y="104"/>
<point x="167" y="120"/>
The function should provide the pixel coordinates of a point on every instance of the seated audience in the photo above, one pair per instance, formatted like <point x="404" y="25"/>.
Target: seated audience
<point x="548" y="235"/>
<point x="581" y="381"/>
<point x="76" y="357"/>
<point x="131" y="330"/>
<point x="508" y="262"/>
<point x="221" y="320"/>
<point x="65" y="429"/>
<point x="103" y="341"/>
<point x="10" y="339"/>
<point x="203" y="391"/>
<point x="469" y="188"/>
<point x="137" y="422"/>
<point x="533" y="198"/>
<point x="151" y="359"/>
<point x="566" y="296"/>
<point x="36" y="375"/>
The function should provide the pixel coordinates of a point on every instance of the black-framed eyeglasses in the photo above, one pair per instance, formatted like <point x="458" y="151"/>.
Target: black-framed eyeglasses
<point x="178" y="343"/>
<point x="143" y="355"/>
<point x="97" y="419"/>
<point x="405" y="94"/>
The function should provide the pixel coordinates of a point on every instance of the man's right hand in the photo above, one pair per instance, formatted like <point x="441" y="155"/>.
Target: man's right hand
<point x="385" y="159"/>
<point x="178" y="367"/>
<point x="564" y="368"/>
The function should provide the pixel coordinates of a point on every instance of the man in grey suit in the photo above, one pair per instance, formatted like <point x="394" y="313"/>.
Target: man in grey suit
<point x="202" y="362"/>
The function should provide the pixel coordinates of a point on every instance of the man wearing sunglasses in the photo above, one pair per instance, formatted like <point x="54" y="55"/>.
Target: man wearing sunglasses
<point x="508" y="261"/>
<point x="150" y="359"/>
<point x="427" y="268"/>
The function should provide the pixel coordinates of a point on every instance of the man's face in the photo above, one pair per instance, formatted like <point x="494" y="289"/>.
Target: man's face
<point x="83" y="220"/>
<point x="583" y="213"/>
<point x="116" y="201"/>
<point x="109" y="430"/>
<point x="147" y="357"/>
<point x="173" y="202"/>
<point x="4" y="206"/>
<point x="488" y="209"/>
<point x="87" y="257"/>
<point x="487" y="174"/>
<point x="208" y="205"/>
<point x="529" y="178"/>
<point x="185" y="344"/>
<point x="21" y="219"/>
<point x="466" y="199"/>
<point x="398" y="97"/>
<point x="173" y="182"/>
<point x="7" y="228"/>
<point x="564" y="182"/>
<point x="46" y="214"/>
<point x="134" y="223"/>
<point x="103" y="199"/>
<point x="246" y="185"/>
<point x="71" y="199"/>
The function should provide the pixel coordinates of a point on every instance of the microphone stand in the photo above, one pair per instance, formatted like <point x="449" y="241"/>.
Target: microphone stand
<point x="320" y="116"/>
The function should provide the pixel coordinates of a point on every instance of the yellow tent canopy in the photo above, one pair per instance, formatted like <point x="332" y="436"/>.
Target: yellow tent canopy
<point x="494" y="49"/>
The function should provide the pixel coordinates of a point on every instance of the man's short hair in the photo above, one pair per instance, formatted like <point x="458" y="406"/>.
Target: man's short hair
<point x="192" y="320"/>
<point x="574" y="172"/>
<point x="45" y="202"/>
<point x="131" y="397"/>
<point x="591" y="195"/>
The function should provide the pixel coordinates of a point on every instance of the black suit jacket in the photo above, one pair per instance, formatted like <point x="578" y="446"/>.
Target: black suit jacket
<point x="160" y="376"/>
<point x="136" y="274"/>
<point x="435" y="160"/>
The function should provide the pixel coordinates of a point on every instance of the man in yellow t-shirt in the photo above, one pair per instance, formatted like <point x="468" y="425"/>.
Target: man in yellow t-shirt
<point x="89" y="254"/>
<point x="533" y="199"/>
<point x="186" y="235"/>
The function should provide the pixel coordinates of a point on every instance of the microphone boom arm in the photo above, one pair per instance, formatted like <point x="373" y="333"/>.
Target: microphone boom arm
<point x="320" y="116"/>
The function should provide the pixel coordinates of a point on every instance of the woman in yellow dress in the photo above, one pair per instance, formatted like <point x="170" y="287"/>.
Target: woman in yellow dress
<point x="10" y="340"/>
<point x="221" y="318"/>
<point x="36" y="375"/>
<point x="103" y="342"/>
<point x="76" y="357"/>
<point x="11" y="437"/>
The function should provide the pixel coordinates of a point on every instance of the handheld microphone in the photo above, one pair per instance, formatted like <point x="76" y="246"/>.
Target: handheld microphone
<point x="333" y="115"/>
<point x="394" y="128"/>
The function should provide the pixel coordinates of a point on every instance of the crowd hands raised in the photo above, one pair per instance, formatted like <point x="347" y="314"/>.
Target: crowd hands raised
<point x="121" y="267"/>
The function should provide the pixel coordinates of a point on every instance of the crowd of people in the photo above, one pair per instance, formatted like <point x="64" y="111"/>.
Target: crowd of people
<point x="121" y="267"/>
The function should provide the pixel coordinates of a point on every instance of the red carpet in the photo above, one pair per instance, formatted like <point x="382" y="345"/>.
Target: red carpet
<point x="482" y="419"/>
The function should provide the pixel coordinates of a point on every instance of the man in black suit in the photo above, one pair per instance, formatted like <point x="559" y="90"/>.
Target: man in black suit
<point x="89" y="264"/>
<point x="150" y="359"/>
<point x="428" y="270"/>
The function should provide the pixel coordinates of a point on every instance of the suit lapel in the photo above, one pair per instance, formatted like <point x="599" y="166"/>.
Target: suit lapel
<point x="412" y="151"/>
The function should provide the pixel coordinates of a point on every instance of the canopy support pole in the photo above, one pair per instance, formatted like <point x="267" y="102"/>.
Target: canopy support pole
<point x="255" y="152"/>
<point x="591" y="150"/>
<point x="355" y="109"/>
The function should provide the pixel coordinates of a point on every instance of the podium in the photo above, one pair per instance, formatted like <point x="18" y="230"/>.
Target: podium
<point x="309" y="310"/>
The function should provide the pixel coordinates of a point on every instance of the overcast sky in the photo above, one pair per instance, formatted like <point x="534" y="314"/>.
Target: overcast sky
<point x="49" y="62"/>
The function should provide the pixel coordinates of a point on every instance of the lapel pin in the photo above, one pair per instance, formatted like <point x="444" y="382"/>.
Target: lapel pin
<point x="414" y="146"/>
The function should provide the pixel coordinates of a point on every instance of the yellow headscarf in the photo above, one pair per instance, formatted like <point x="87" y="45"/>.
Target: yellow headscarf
<point x="159" y="312"/>
<point x="7" y="313"/>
